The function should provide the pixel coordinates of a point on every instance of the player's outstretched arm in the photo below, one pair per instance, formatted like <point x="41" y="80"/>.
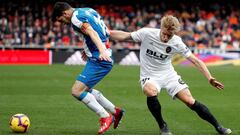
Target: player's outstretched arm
<point x="203" y="68"/>
<point x="120" y="35"/>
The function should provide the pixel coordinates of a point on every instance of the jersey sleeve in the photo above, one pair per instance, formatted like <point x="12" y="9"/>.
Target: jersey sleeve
<point x="79" y="19"/>
<point x="183" y="49"/>
<point x="138" y="36"/>
<point x="76" y="21"/>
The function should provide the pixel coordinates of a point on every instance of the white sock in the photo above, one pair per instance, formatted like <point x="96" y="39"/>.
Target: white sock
<point x="103" y="101"/>
<point x="89" y="100"/>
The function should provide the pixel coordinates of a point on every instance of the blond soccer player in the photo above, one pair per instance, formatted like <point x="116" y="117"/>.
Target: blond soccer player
<point x="158" y="46"/>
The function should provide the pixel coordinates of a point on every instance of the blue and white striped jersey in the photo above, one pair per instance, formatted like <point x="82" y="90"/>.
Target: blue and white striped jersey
<point x="90" y="16"/>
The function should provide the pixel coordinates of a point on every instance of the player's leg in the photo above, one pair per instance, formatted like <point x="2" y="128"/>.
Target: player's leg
<point x="203" y="112"/>
<point x="91" y="75"/>
<point x="79" y="91"/>
<point x="154" y="106"/>
<point x="102" y="100"/>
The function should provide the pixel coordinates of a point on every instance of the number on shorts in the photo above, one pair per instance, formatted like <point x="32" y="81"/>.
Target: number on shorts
<point x="144" y="80"/>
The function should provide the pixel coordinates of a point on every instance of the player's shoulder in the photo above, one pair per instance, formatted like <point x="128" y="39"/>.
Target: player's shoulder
<point x="177" y="42"/>
<point x="149" y="31"/>
<point x="80" y="13"/>
<point x="176" y="39"/>
<point x="83" y="11"/>
<point x="88" y="10"/>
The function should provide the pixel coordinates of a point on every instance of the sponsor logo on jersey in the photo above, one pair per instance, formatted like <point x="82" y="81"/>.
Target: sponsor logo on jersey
<point x="156" y="55"/>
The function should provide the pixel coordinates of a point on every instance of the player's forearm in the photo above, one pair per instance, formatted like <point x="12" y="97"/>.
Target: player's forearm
<point x="203" y="68"/>
<point x="120" y="35"/>
<point x="97" y="41"/>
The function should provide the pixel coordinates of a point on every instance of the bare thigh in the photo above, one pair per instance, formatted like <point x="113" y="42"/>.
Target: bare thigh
<point x="186" y="97"/>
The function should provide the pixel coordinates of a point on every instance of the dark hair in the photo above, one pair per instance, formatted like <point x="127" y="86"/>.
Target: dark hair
<point x="58" y="9"/>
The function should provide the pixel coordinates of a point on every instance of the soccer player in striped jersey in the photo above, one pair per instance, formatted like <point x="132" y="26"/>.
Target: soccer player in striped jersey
<point x="88" y="24"/>
<point x="158" y="46"/>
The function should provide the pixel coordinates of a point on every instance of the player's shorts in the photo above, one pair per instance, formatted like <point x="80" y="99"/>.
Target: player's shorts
<point x="171" y="82"/>
<point x="94" y="71"/>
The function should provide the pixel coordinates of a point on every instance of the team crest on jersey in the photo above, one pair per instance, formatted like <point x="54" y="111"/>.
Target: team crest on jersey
<point x="181" y="81"/>
<point x="168" y="49"/>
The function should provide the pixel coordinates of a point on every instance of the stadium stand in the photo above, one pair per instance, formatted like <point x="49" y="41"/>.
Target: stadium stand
<point x="213" y="25"/>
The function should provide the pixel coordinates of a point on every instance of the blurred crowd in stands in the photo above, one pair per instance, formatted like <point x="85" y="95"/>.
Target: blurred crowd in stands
<point x="204" y="25"/>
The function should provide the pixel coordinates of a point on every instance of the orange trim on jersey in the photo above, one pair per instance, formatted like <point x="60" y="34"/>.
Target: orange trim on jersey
<point x="84" y="27"/>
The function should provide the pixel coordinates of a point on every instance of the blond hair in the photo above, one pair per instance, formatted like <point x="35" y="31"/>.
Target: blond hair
<point x="170" y="23"/>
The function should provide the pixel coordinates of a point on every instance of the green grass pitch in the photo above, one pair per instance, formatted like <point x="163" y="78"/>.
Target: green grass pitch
<point x="44" y="94"/>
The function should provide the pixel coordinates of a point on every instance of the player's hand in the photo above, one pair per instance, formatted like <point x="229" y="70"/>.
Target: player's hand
<point x="104" y="56"/>
<point x="216" y="83"/>
<point x="84" y="56"/>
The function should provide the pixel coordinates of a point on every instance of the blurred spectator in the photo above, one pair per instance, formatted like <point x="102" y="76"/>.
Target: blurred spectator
<point x="212" y="25"/>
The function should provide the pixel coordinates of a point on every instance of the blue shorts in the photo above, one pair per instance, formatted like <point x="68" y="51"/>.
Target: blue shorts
<point x="94" y="71"/>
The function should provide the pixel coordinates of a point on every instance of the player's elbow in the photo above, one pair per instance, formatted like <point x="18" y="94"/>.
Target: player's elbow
<point x="195" y="61"/>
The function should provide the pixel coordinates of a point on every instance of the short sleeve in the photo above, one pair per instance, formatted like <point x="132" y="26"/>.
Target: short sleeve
<point x="138" y="36"/>
<point x="76" y="20"/>
<point x="183" y="49"/>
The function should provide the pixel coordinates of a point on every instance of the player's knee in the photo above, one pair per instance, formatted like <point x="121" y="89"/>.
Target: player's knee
<point x="75" y="92"/>
<point x="189" y="102"/>
<point x="186" y="97"/>
<point x="149" y="92"/>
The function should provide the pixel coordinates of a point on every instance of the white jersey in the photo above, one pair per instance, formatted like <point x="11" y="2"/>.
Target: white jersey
<point x="155" y="56"/>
